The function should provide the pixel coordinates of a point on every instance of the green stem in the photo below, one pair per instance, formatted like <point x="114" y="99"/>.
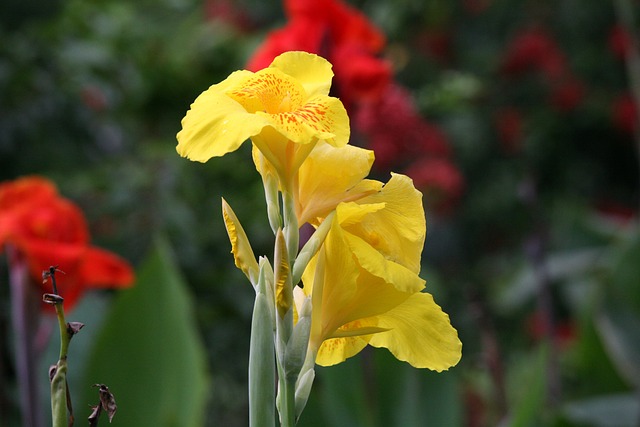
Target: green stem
<point x="288" y="402"/>
<point x="261" y="366"/>
<point x="59" y="391"/>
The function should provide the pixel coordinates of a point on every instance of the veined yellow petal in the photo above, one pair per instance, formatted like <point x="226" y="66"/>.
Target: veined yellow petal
<point x="398" y="231"/>
<point x="215" y="125"/>
<point x="269" y="91"/>
<point x="419" y="333"/>
<point x="321" y="117"/>
<point x="312" y="71"/>
<point x="337" y="350"/>
<point x="243" y="255"/>
<point x="332" y="175"/>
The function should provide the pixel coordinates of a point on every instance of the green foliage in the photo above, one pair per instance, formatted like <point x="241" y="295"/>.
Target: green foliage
<point x="379" y="391"/>
<point x="92" y="96"/>
<point x="149" y="353"/>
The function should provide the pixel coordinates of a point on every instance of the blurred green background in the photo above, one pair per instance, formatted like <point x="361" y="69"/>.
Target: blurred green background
<point x="537" y="262"/>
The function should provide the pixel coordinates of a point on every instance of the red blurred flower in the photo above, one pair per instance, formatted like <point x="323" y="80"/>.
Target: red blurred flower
<point x="384" y="116"/>
<point x="567" y="94"/>
<point x="616" y="212"/>
<point x="625" y="113"/>
<point x="339" y="33"/>
<point x="395" y="120"/>
<point x="47" y="230"/>
<point x="534" y="50"/>
<point x="228" y="12"/>
<point x="564" y="330"/>
<point x="619" y="41"/>
<point x="509" y="124"/>
<point x="439" y="179"/>
<point x="436" y="44"/>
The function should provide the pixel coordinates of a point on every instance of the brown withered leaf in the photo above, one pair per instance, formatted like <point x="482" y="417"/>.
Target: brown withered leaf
<point x="95" y="415"/>
<point x="74" y="327"/>
<point x="52" y="299"/>
<point x="107" y="400"/>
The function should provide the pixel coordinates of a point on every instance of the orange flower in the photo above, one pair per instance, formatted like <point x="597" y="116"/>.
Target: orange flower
<point x="47" y="229"/>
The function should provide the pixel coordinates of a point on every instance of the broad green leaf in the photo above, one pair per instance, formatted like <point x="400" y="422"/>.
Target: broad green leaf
<point x="410" y="397"/>
<point x="527" y="389"/>
<point x="559" y="267"/>
<point x="149" y="353"/>
<point x="619" y="330"/>
<point x="376" y="390"/>
<point x="339" y="397"/>
<point x="616" y="410"/>
<point x="625" y="277"/>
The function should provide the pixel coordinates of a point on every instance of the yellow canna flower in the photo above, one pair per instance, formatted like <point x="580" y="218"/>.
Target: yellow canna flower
<point x="285" y="110"/>
<point x="365" y="287"/>
<point x="329" y="176"/>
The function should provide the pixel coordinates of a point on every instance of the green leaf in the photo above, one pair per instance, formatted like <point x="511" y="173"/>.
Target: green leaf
<point x="619" y="330"/>
<point x="149" y="353"/>
<point x="559" y="267"/>
<point x="410" y="397"/>
<point x="625" y="273"/>
<point x="527" y="389"/>
<point x="619" y="410"/>
<point x="339" y="397"/>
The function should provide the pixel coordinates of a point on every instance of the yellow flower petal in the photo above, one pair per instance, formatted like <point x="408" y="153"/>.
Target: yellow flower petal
<point x="281" y="100"/>
<point x="284" y="155"/>
<point x="419" y="333"/>
<point x="356" y="337"/>
<point x="349" y="292"/>
<point x="321" y="117"/>
<point x="312" y="71"/>
<point x="332" y="175"/>
<point x="398" y="231"/>
<point x="337" y="350"/>
<point x="284" y="109"/>
<point x="403" y="279"/>
<point x="268" y="90"/>
<point x="215" y="125"/>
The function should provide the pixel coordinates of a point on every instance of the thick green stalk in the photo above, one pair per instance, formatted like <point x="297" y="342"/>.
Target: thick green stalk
<point x="59" y="380"/>
<point x="261" y="366"/>
<point x="288" y="402"/>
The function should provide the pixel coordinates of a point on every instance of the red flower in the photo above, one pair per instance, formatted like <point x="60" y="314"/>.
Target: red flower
<point x="439" y="179"/>
<point x="625" y="113"/>
<point x="564" y="331"/>
<point x="49" y="230"/>
<point x="436" y="44"/>
<point x="385" y="117"/>
<point x="395" y="120"/>
<point x="567" y="94"/>
<point x="619" y="41"/>
<point x="509" y="126"/>
<point x="534" y="50"/>
<point x="227" y="11"/>
<point x="339" y="33"/>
